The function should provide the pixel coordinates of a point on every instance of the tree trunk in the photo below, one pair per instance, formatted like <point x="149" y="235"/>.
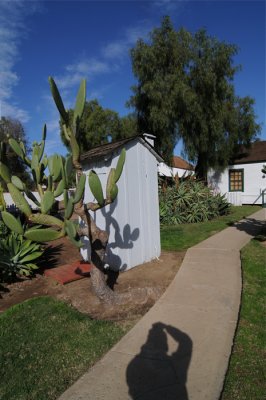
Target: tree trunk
<point x="201" y="168"/>
<point x="99" y="240"/>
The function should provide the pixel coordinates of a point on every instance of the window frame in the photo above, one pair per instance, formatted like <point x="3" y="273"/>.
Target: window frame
<point x="241" y="170"/>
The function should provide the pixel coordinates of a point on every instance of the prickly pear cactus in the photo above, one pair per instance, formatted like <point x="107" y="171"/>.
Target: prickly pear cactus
<point x="2" y="200"/>
<point x="51" y="178"/>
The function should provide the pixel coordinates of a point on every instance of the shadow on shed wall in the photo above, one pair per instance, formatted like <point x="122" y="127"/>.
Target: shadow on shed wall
<point x="123" y="238"/>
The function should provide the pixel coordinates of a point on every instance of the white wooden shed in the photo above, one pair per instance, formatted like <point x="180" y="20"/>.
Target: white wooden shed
<point x="243" y="181"/>
<point x="132" y="221"/>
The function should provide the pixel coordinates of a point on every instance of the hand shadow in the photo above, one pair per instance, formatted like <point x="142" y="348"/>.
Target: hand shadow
<point x="155" y="375"/>
<point x="123" y="239"/>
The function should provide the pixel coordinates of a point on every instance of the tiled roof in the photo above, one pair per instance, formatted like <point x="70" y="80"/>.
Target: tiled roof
<point x="256" y="153"/>
<point x="179" y="162"/>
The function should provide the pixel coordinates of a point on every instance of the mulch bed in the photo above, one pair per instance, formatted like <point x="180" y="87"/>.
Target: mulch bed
<point x="156" y="274"/>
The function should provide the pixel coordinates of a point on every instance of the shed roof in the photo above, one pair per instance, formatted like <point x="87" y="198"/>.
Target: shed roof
<point x="105" y="150"/>
<point x="179" y="162"/>
<point x="256" y="153"/>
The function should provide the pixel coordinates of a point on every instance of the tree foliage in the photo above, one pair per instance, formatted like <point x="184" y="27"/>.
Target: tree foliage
<point x="160" y="67"/>
<point x="129" y="126"/>
<point x="100" y="125"/>
<point x="185" y="90"/>
<point x="12" y="128"/>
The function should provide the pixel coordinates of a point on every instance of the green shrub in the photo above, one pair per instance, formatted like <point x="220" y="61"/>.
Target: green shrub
<point x="3" y="230"/>
<point x="190" y="202"/>
<point x="18" y="256"/>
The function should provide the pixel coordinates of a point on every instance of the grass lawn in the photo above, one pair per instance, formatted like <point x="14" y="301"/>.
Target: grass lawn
<point x="181" y="237"/>
<point x="245" y="378"/>
<point x="45" y="345"/>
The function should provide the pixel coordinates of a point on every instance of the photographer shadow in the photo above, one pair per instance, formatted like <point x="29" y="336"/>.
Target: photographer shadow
<point x="155" y="375"/>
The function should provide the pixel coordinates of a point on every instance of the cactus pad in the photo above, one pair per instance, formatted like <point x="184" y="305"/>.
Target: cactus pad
<point x="43" y="235"/>
<point x="80" y="102"/>
<point x="58" y="101"/>
<point x="120" y="165"/>
<point x="80" y="189"/>
<point x="19" y="199"/>
<point x="96" y="187"/>
<point x="47" y="202"/>
<point x="44" y="219"/>
<point x="12" y="223"/>
<point x="17" y="182"/>
<point x="16" y="148"/>
<point x="5" y="173"/>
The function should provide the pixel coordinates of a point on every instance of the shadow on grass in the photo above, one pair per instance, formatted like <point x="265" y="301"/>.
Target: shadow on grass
<point x="262" y="235"/>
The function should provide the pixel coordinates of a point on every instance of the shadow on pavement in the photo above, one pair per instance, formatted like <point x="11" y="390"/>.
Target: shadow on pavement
<point x="155" y="375"/>
<point x="250" y="225"/>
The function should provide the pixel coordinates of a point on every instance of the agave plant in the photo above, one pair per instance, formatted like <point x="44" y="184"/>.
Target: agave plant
<point x="18" y="256"/>
<point x="3" y="229"/>
<point x="190" y="202"/>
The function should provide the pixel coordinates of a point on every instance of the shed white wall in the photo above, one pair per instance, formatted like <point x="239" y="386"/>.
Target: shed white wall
<point x="132" y="221"/>
<point x="254" y="183"/>
<point x="9" y="201"/>
<point x="165" y="170"/>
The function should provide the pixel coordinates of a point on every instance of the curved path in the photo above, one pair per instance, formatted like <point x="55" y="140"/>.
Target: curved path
<point x="180" y="349"/>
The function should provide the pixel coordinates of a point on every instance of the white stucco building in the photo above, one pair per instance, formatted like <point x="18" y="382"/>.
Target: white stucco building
<point x="132" y="221"/>
<point x="243" y="181"/>
<point x="179" y="167"/>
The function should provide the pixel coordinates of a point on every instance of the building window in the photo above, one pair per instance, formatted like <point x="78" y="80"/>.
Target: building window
<point x="236" y="180"/>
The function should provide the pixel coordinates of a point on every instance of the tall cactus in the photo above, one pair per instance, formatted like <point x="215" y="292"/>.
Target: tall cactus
<point x="51" y="178"/>
<point x="49" y="187"/>
<point x="2" y="199"/>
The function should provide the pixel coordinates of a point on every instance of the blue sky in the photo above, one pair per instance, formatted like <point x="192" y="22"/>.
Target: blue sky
<point x="74" y="39"/>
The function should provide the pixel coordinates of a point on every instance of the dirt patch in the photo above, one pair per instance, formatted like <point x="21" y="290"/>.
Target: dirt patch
<point x="156" y="274"/>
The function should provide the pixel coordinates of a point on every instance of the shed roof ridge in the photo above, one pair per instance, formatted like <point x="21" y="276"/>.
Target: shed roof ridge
<point x="107" y="148"/>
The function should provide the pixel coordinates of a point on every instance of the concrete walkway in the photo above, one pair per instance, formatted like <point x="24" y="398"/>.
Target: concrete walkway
<point x="180" y="349"/>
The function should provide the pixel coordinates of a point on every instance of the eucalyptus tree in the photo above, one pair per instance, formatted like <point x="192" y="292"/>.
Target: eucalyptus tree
<point x="13" y="128"/>
<point x="185" y="91"/>
<point x="160" y="68"/>
<point x="129" y="126"/>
